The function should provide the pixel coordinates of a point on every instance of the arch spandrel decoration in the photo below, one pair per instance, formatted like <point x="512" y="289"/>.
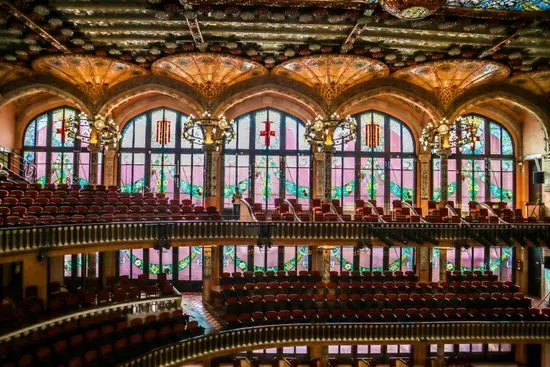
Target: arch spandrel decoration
<point x="94" y="75"/>
<point x="537" y="82"/>
<point x="448" y="79"/>
<point x="208" y="74"/>
<point x="331" y="75"/>
<point x="11" y="72"/>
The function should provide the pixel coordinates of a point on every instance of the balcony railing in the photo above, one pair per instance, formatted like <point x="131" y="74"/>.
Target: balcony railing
<point x="21" y="239"/>
<point x="148" y="305"/>
<point x="239" y="340"/>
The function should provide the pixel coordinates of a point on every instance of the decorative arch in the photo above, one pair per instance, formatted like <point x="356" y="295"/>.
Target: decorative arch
<point x="268" y="159"/>
<point x="510" y="93"/>
<point x="58" y="158"/>
<point x="482" y="172"/>
<point x="132" y="89"/>
<point x="292" y="92"/>
<point x="409" y="93"/>
<point x="378" y="165"/>
<point x="44" y="84"/>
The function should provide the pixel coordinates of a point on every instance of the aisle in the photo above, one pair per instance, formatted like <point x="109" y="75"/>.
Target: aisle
<point x="193" y="306"/>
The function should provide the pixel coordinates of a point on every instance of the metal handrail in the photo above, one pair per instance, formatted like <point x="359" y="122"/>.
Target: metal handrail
<point x="375" y="211"/>
<point x="334" y="211"/>
<point x="292" y="210"/>
<point x="137" y="306"/>
<point x="259" y="337"/>
<point x="492" y="212"/>
<point x="249" y="208"/>
<point x="453" y="211"/>
<point x="413" y="210"/>
<point x="26" y="169"/>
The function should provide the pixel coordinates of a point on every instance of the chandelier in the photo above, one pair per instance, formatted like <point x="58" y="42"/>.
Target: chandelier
<point x="319" y="131"/>
<point x="98" y="131"/>
<point x="445" y="135"/>
<point x="214" y="130"/>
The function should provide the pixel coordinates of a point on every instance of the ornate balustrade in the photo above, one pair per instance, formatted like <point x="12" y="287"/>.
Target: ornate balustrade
<point x="21" y="239"/>
<point x="148" y="305"/>
<point x="234" y="341"/>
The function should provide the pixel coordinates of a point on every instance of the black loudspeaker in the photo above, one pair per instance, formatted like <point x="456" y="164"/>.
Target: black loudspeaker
<point x="538" y="177"/>
<point x="547" y="262"/>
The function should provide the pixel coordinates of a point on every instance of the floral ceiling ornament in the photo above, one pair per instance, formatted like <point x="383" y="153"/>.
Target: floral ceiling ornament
<point x="412" y="9"/>
<point x="332" y="74"/>
<point x="450" y="78"/>
<point x="209" y="74"/>
<point x="93" y="75"/>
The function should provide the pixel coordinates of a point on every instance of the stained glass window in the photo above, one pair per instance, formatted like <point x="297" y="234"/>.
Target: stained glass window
<point x="268" y="159"/>
<point x="57" y="157"/>
<point x="378" y="165"/>
<point x="180" y="263"/>
<point x="156" y="162"/>
<point x="482" y="173"/>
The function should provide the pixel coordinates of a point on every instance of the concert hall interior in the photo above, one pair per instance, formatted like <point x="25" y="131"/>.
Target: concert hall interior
<point x="283" y="183"/>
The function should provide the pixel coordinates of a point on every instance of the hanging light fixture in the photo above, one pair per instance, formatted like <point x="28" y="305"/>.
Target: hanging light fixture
<point x="163" y="129"/>
<point x="215" y="131"/>
<point x="319" y="131"/>
<point x="446" y="135"/>
<point x="373" y="137"/>
<point x="98" y="131"/>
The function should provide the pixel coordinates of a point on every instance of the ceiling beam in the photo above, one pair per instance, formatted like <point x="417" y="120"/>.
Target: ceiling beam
<point x="34" y="27"/>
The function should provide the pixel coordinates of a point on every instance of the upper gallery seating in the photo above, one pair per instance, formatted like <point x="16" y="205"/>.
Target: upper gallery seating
<point x="108" y="339"/>
<point x="31" y="204"/>
<point x="32" y="309"/>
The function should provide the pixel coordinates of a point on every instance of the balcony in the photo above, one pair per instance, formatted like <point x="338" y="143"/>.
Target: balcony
<point x="22" y="239"/>
<point x="239" y="340"/>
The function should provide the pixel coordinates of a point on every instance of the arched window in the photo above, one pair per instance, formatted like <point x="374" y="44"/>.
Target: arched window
<point x="162" y="162"/>
<point x="378" y="165"/>
<point x="58" y="158"/>
<point x="268" y="158"/>
<point x="484" y="173"/>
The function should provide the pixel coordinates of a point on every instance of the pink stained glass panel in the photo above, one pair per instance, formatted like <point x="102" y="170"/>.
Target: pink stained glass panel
<point x="196" y="262"/>
<point x="124" y="263"/>
<point x="137" y="263"/>
<point x="378" y="259"/>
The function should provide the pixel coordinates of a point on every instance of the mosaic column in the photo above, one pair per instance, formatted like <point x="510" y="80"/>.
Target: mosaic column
<point x="423" y="263"/>
<point x="94" y="150"/>
<point x="210" y="174"/>
<point x="92" y="261"/>
<point x="419" y="354"/>
<point x="444" y="176"/>
<point x="211" y="272"/>
<point x="109" y="167"/>
<point x="442" y="264"/>
<point x="320" y="261"/>
<point x="319" y="163"/>
<point x="329" y="153"/>
<point x="546" y="186"/>
<point x="108" y="266"/>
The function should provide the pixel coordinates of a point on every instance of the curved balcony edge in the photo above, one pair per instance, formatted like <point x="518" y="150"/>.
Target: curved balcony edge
<point x="143" y="305"/>
<point x="259" y="337"/>
<point x="15" y="240"/>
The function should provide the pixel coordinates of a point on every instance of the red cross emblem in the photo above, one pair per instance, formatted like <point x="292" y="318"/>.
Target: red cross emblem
<point x="267" y="133"/>
<point x="62" y="131"/>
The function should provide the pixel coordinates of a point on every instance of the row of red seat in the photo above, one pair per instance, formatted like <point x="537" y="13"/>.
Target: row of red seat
<point x="263" y="288"/>
<point x="109" y="341"/>
<point x="357" y="301"/>
<point x="385" y="315"/>
<point x="314" y="275"/>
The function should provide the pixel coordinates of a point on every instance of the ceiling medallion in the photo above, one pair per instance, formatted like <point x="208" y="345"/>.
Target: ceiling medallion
<point x="411" y="9"/>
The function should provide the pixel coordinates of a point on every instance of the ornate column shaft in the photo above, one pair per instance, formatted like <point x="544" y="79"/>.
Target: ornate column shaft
<point x="320" y="261"/>
<point x="92" y="260"/>
<point x="94" y="150"/>
<point x="319" y="160"/>
<point x="109" y="167"/>
<point x="210" y="173"/>
<point x="423" y="263"/>
<point x="444" y="176"/>
<point x="442" y="264"/>
<point x="329" y="153"/>
<point x="211" y="272"/>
